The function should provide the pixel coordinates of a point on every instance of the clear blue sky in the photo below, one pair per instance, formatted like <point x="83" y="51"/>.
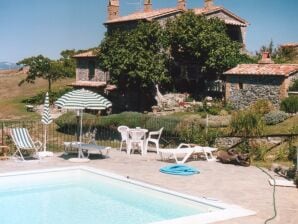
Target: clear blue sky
<point x="32" y="27"/>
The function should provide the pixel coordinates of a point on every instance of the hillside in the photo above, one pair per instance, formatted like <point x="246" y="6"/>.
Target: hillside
<point x="11" y="94"/>
<point x="8" y="65"/>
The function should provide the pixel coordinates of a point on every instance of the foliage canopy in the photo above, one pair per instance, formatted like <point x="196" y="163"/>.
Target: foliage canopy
<point x="279" y="54"/>
<point x="204" y="42"/>
<point x="45" y="68"/>
<point x="135" y="58"/>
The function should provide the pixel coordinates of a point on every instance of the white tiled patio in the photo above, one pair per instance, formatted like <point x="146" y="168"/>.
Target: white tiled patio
<point x="247" y="187"/>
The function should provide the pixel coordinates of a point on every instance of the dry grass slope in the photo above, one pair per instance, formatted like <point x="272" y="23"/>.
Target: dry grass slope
<point x="11" y="94"/>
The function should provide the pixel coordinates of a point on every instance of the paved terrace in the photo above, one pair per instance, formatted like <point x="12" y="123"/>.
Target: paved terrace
<point x="247" y="187"/>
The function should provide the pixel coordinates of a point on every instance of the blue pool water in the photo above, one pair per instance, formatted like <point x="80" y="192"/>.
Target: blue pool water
<point x="79" y="197"/>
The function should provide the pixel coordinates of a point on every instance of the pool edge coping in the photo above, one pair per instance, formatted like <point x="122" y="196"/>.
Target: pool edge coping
<point x="228" y="211"/>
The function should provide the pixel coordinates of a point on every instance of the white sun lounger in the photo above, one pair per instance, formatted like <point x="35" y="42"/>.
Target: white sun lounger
<point x="207" y="151"/>
<point x="24" y="142"/>
<point x="184" y="151"/>
<point x="91" y="148"/>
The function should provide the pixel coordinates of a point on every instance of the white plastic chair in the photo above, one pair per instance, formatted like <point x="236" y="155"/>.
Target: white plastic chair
<point x="153" y="137"/>
<point x="124" y="135"/>
<point x="137" y="139"/>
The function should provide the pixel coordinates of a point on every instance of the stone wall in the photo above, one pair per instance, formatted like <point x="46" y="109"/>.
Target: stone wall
<point x="226" y="143"/>
<point x="241" y="91"/>
<point x="129" y="25"/>
<point x="82" y="71"/>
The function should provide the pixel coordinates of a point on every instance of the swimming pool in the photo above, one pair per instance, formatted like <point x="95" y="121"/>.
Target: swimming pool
<point x="85" y="195"/>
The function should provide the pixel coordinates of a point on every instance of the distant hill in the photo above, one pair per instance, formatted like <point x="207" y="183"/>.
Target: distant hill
<point x="5" y="65"/>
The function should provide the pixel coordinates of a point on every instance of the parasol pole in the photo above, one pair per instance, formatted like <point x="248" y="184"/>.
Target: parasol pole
<point x="45" y="139"/>
<point x="81" y="155"/>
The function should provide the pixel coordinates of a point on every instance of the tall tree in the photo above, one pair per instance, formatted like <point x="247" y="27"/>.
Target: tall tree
<point x="279" y="54"/>
<point x="202" y="42"/>
<point x="45" y="68"/>
<point x="135" y="58"/>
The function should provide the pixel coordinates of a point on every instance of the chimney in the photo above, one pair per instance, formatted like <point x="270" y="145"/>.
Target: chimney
<point x="113" y="9"/>
<point x="266" y="59"/>
<point x="147" y="5"/>
<point x="208" y="3"/>
<point x="181" y="5"/>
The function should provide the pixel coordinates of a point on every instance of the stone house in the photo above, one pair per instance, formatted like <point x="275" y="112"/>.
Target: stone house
<point x="247" y="83"/>
<point x="187" y="74"/>
<point x="89" y="75"/>
<point x="236" y="25"/>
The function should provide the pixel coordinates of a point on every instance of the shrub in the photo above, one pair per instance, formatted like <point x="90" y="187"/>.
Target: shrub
<point x="262" y="107"/>
<point x="192" y="132"/>
<point x="290" y="104"/>
<point x="215" y="121"/>
<point x="130" y="119"/>
<point x="294" y="87"/>
<point x="69" y="120"/>
<point x="282" y="154"/>
<point x="275" y="117"/>
<point x="246" y="123"/>
<point x="54" y="95"/>
<point x="257" y="150"/>
<point x="189" y="130"/>
<point x="169" y="123"/>
<point x="213" y="110"/>
<point x="210" y="136"/>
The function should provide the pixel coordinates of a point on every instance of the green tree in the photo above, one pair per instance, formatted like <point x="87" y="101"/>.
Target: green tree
<point x="45" y="68"/>
<point x="203" y="42"/>
<point x="267" y="48"/>
<point x="279" y="54"/>
<point x="68" y="62"/>
<point x="135" y="59"/>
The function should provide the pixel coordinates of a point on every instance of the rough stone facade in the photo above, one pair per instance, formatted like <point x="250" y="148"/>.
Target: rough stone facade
<point x="83" y="72"/>
<point x="130" y="25"/>
<point x="236" y="33"/>
<point x="242" y="91"/>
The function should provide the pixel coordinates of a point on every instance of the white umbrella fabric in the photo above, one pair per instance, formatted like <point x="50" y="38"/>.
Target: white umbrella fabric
<point x="83" y="99"/>
<point x="46" y="119"/>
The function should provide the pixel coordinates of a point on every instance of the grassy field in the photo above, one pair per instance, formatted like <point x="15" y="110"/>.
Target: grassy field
<point x="11" y="95"/>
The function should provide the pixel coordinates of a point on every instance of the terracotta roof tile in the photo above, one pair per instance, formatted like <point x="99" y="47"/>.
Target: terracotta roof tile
<point x="263" y="69"/>
<point x="87" y="54"/>
<point x="234" y="22"/>
<point x="207" y="11"/>
<point x="144" y="15"/>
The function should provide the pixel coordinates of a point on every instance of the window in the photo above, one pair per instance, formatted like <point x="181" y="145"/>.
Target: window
<point x="91" y="68"/>
<point x="240" y="85"/>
